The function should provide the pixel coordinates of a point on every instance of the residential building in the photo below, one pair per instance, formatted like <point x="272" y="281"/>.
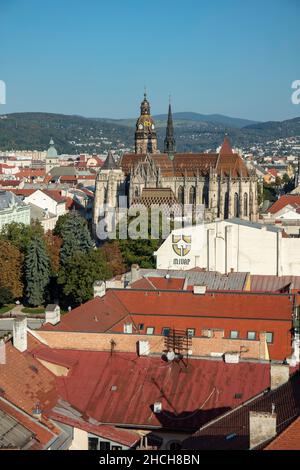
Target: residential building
<point x="13" y="209"/>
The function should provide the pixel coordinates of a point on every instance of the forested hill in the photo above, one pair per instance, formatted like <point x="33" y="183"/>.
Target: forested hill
<point x="76" y="134"/>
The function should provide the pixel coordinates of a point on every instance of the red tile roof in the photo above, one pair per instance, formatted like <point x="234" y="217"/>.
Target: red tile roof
<point x="101" y="314"/>
<point x="283" y="201"/>
<point x="42" y="435"/>
<point x="226" y="149"/>
<point x="190" y="396"/>
<point x="121" y="436"/>
<point x="212" y="304"/>
<point x="25" y="381"/>
<point x="97" y="315"/>
<point x="231" y="432"/>
<point x="289" y="439"/>
<point x="159" y="283"/>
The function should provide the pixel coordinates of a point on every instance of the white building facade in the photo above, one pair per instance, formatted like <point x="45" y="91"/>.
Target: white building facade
<point x="231" y="245"/>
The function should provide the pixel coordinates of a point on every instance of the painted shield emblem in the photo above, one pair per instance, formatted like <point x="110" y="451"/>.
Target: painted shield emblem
<point x="181" y="244"/>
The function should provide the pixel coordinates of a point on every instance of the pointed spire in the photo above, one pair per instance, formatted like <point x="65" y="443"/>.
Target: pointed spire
<point x="110" y="163"/>
<point x="226" y="149"/>
<point x="170" y="143"/>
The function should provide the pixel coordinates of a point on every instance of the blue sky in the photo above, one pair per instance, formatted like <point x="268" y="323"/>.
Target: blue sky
<point x="93" y="57"/>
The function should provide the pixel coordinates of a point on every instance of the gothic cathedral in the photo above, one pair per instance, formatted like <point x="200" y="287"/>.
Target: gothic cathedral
<point x="220" y="181"/>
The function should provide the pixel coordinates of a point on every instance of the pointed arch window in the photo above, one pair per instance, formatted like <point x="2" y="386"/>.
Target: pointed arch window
<point x="246" y="205"/>
<point x="181" y="195"/>
<point x="236" y="205"/>
<point x="192" y="195"/>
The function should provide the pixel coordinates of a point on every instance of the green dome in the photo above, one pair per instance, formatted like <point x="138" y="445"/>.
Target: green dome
<point x="51" y="152"/>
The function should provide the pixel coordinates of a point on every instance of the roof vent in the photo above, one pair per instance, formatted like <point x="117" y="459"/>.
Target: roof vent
<point x="114" y="388"/>
<point x="167" y="276"/>
<point x="157" y="407"/>
<point x="200" y="290"/>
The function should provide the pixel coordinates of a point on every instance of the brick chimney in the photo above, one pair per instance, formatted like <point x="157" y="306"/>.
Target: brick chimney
<point x="20" y="333"/>
<point x="280" y="374"/>
<point x="262" y="427"/>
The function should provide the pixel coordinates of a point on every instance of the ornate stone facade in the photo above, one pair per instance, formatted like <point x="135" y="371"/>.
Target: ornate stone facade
<point x="220" y="181"/>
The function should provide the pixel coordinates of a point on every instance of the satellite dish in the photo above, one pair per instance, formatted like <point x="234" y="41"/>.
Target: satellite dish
<point x="171" y="356"/>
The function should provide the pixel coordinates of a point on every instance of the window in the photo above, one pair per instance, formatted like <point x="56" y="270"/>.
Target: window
<point x="236" y="205"/>
<point x="246" y="204"/>
<point x="251" y="335"/>
<point x="93" y="443"/>
<point x="128" y="328"/>
<point x="190" y="332"/>
<point x="192" y="195"/>
<point x="269" y="337"/>
<point x="165" y="331"/>
<point x="141" y="326"/>
<point x="234" y="334"/>
<point x="104" y="445"/>
<point x="181" y="195"/>
<point x="150" y="330"/>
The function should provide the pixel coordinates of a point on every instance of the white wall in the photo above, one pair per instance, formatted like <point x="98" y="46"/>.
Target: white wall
<point x="222" y="246"/>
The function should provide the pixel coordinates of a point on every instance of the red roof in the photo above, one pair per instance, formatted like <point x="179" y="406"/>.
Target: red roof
<point x="97" y="315"/>
<point x="287" y="199"/>
<point x="226" y="149"/>
<point x="25" y="381"/>
<point x="9" y="182"/>
<point x="273" y="172"/>
<point x="289" y="439"/>
<point x="101" y="314"/>
<point x="121" y="436"/>
<point x="122" y="388"/>
<point x="42" y="435"/>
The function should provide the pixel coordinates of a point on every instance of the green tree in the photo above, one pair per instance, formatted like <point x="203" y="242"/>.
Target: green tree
<point x="37" y="271"/>
<point x="79" y="273"/>
<point x="6" y="296"/>
<point x="73" y="231"/>
<point x="20" y="235"/>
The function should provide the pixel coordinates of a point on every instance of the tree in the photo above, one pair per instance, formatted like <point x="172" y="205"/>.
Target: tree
<point x="72" y="229"/>
<point x="11" y="263"/>
<point x="20" y="235"/>
<point x="79" y="273"/>
<point x="37" y="271"/>
<point x="6" y="296"/>
<point x="53" y="245"/>
<point x="113" y="256"/>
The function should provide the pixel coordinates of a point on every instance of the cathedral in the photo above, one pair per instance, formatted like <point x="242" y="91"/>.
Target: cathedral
<point x="220" y="181"/>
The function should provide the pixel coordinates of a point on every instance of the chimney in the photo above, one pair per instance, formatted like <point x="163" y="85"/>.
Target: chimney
<point x="99" y="288"/>
<point x="262" y="427"/>
<point x="37" y="412"/>
<point x="20" y="333"/>
<point x="52" y="314"/>
<point x="280" y="374"/>
<point x="135" y="272"/>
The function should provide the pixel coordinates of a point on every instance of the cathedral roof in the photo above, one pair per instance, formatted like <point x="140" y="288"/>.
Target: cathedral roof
<point x="110" y="163"/>
<point x="226" y="149"/>
<point x="190" y="164"/>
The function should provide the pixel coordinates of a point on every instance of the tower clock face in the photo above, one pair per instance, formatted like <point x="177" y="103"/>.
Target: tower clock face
<point x="140" y="126"/>
<point x="152" y="127"/>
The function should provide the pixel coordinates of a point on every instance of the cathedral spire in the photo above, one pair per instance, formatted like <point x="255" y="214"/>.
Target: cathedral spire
<point x="170" y="143"/>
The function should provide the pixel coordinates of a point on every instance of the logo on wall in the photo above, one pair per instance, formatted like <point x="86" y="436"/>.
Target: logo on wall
<point x="181" y="244"/>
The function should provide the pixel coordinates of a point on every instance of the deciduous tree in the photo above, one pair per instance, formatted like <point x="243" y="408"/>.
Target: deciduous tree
<point x="11" y="263"/>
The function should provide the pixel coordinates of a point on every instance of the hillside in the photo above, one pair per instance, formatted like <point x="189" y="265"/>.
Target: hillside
<point x="76" y="134"/>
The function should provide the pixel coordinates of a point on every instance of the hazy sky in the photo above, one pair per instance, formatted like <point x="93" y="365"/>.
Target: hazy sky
<point x="93" y="57"/>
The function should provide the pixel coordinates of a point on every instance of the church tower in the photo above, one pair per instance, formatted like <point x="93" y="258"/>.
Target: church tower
<point x="145" y="134"/>
<point x="170" y="143"/>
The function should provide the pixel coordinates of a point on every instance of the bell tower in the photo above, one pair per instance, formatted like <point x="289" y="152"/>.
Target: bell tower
<point x="145" y="134"/>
